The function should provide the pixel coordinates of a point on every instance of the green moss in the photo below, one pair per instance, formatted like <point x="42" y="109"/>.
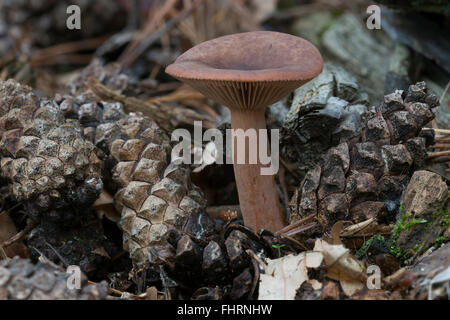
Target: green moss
<point x="440" y="241"/>
<point x="404" y="224"/>
<point x="363" y="250"/>
<point x="417" y="247"/>
<point x="442" y="216"/>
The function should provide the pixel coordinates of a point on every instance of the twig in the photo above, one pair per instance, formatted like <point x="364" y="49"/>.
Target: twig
<point x="69" y="47"/>
<point x="441" y="159"/>
<point x="301" y="229"/>
<point x="256" y="272"/>
<point x="121" y="293"/>
<point x="445" y="131"/>
<point x="48" y="55"/>
<point x="60" y="257"/>
<point x="438" y="154"/>
<point x="153" y="20"/>
<point x="131" y="57"/>
<point x="130" y="104"/>
<point x="296" y="224"/>
<point x="294" y="241"/>
<point x="441" y="99"/>
<point x="82" y="59"/>
<point x="258" y="259"/>
<point x="163" y="114"/>
<point x="440" y="146"/>
<point x="19" y="236"/>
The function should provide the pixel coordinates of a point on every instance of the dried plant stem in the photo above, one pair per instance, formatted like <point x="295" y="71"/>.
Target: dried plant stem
<point x="440" y="146"/>
<point x="444" y="131"/>
<point x="438" y="154"/>
<point x="130" y="58"/>
<point x="19" y="236"/>
<point x="131" y="104"/>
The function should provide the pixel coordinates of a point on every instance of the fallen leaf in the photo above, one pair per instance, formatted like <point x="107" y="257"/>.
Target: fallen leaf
<point x="366" y="226"/>
<point x="335" y="232"/>
<point x="285" y="275"/>
<point x="342" y="266"/>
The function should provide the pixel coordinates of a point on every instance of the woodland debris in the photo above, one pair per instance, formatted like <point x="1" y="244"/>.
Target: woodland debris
<point x="426" y="193"/>
<point x="50" y="165"/>
<point x="342" y="266"/>
<point x="433" y="276"/>
<point x="8" y="238"/>
<point x="321" y="117"/>
<point x="22" y="280"/>
<point x="285" y="275"/>
<point x="375" y="164"/>
<point x="425" y="216"/>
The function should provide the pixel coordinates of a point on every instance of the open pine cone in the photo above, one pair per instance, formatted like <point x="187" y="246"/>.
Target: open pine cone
<point x="365" y="176"/>
<point x="22" y="280"/>
<point x="52" y="169"/>
<point x="156" y="197"/>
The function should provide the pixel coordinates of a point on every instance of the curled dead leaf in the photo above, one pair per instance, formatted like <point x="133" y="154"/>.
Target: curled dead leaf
<point x="342" y="266"/>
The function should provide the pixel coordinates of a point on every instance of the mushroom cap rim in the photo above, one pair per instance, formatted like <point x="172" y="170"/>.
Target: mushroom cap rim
<point x="183" y="70"/>
<point x="196" y="63"/>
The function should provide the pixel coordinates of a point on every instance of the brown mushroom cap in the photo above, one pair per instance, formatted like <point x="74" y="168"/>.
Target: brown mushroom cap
<point x="248" y="70"/>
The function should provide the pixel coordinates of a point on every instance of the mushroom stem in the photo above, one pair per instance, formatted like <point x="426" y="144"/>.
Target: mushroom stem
<point x="258" y="195"/>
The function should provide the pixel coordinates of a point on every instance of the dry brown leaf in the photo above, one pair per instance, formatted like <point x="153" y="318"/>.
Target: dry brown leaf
<point x="365" y="227"/>
<point x="335" y="233"/>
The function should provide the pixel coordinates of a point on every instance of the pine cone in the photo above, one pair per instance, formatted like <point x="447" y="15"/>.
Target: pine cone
<point x="22" y="280"/>
<point x="365" y="176"/>
<point x="52" y="169"/>
<point x="155" y="196"/>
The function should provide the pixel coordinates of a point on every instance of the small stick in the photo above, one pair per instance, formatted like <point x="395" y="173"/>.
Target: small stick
<point x="68" y="47"/>
<point x="294" y="241"/>
<point x="438" y="154"/>
<point x="130" y="104"/>
<point x="254" y="256"/>
<point x="445" y="131"/>
<point x="256" y="275"/>
<point x="444" y="93"/>
<point x="296" y="224"/>
<point x="440" y="146"/>
<point x="166" y="27"/>
<point x="301" y="229"/>
<point x="441" y="159"/>
<point x="19" y="236"/>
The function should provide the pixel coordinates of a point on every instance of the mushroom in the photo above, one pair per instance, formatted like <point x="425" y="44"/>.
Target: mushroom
<point x="247" y="72"/>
